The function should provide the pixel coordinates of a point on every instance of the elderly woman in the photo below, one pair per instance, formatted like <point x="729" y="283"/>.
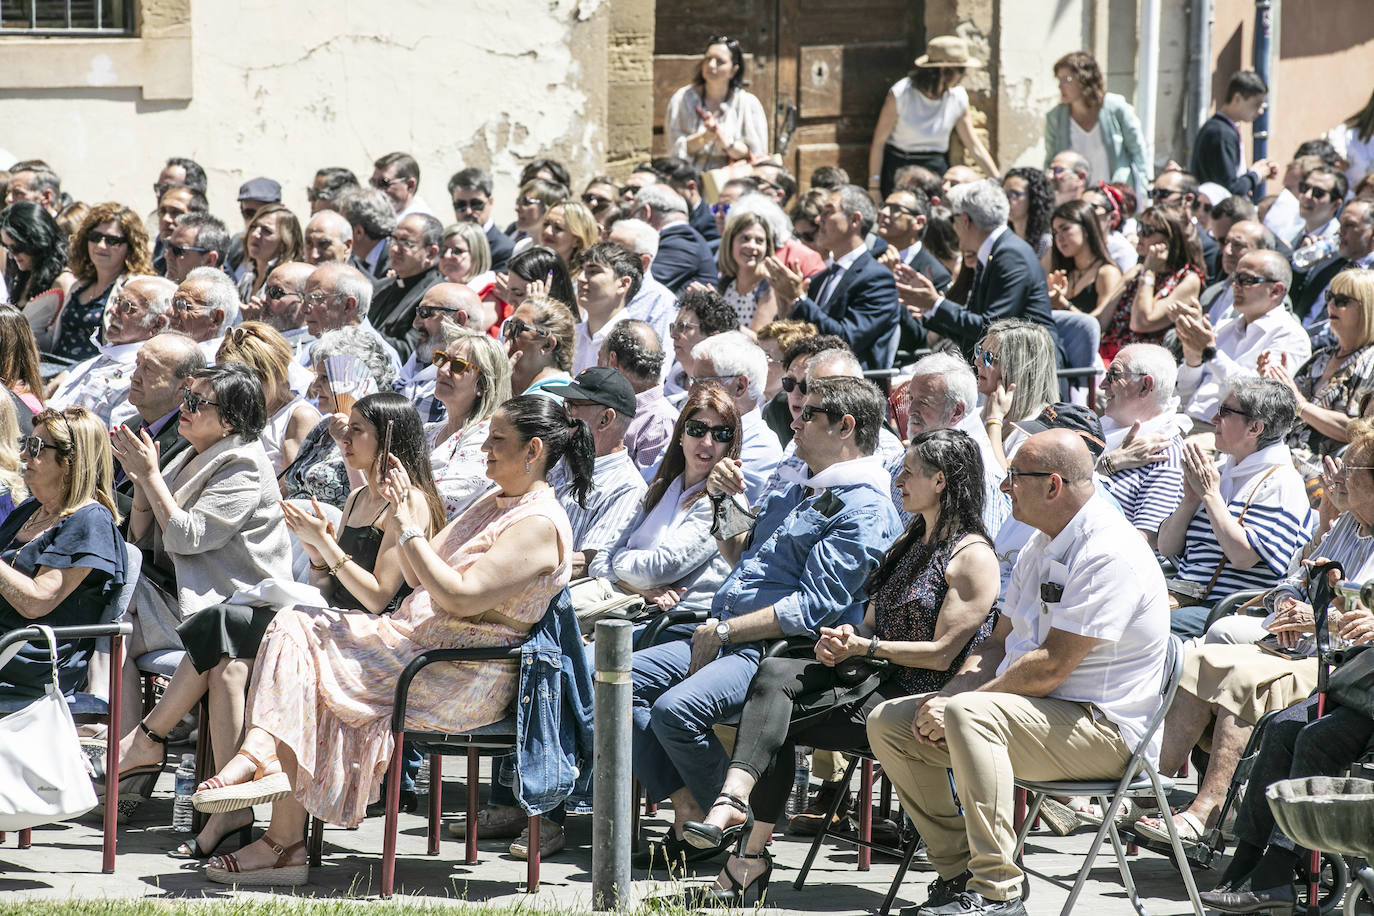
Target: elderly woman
<point x="1015" y="366"/>
<point x="569" y="229"/>
<point x="748" y="241"/>
<point x="63" y="557"/>
<point x="472" y="381"/>
<point x="1335" y="384"/>
<point x="211" y="518"/>
<point x="1171" y="271"/>
<point x="1241" y="523"/>
<point x="322" y="693"/>
<point x="37" y="249"/>
<point x="931" y="605"/>
<point x="539" y="345"/>
<point x="1230" y="686"/>
<point x="319" y="472"/>
<point x="110" y="246"/>
<point x="290" y="417"/>
<point x="273" y="237"/>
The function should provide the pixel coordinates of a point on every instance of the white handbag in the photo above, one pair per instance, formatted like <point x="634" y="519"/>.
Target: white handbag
<point x="44" y="777"/>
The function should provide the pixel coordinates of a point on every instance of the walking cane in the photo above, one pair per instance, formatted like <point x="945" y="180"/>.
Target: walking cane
<point x="1321" y="588"/>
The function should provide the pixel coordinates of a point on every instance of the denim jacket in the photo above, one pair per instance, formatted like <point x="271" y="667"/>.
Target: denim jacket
<point x="553" y="719"/>
<point x="809" y="557"/>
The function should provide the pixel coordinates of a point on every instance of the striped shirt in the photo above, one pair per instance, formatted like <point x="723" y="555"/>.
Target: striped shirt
<point x="617" y="490"/>
<point x="1150" y="493"/>
<point x="1344" y="544"/>
<point x="1278" y="522"/>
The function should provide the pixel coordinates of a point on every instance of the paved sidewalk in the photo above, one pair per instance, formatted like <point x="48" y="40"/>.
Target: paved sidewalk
<point x="64" y="862"/>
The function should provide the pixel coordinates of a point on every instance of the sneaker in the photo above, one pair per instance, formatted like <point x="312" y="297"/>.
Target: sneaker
<point x="497" y="822"/>
<point x="940" y="892"/>
<point x="970" y="903"/>
<point x="551" y="840"/>
<point x="808" y="822"/>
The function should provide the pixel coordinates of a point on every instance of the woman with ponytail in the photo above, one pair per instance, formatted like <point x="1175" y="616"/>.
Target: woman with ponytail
<point x="320" y="703"/>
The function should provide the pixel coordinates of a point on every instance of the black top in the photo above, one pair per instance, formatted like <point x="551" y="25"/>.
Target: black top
<point x="88" y="537"/>
<point x="361" y="543"/>
<point x="1216" y="158"/>
<point x="1086" y="298"/>
<point x="79" y="320"/>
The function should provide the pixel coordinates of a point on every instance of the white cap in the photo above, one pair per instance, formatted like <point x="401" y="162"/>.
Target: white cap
<point x="1214" y="192"/>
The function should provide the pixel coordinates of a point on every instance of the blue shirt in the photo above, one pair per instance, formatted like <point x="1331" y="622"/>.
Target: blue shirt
<point x="809" y="557"/>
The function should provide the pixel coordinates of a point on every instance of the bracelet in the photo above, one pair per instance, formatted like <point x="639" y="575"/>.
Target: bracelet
<point x="318" y="567"/>
<point x="1107" y="466"/>
<point x="993" y="421"/>
<point x="345" y="559"/>
<point x="872" y="647"/>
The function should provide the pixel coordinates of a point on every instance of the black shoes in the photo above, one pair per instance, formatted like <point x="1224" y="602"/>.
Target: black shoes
<point x="738" y="895"/>
<point x="708" y="836"/>
<point x="808" y="822"/>
<point x="672" y="853"/>
<point x="940" y="892"/>
<point x="1272" y="900"/>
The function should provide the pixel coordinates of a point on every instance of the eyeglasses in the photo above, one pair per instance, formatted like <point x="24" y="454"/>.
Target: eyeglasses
<point x="1163" y="193"/>
<point x="696" y="379"/>
<point x="897" y="208"/>
<point x="1115" y="375"/>
<point x="1314" y="192"/>
<point x="400" y="241"/>
<point x="429" y="311"/>
<point x="277" y="293"/>
<point x="528" y="202"/>
<point x="314" y="299"/>
<point x="123" y="305"/>
<point x="453" y="251"/>
<point x="313" y="195"/>
<point x="1150" y="231"/>
<point x="682" y="327"/>
<point x="453" y="365"/>
<point x="808" y="413"/>
<point x="111" y="241"/>
<point x="162" y="187"/>
<point x="790" y="384"/>
<point x="1339" y="301"/>
<point x="720" y="209"/>
<point x="1250" y="280"/>
<point x="476" y="205"/>
<point x="182" y="304"/>
<point x="596" y="203"/>
<point x="1058" y="169"/>
<point x="179" y="251"/>
<point x="248" y="212"/>
<point x="32" y="446"/>
<point x="1013" y="474"/>
<point x="987" y="357"/>
<point x="195" y="402"/>
<point x="1223" y="410"/>
<point x="513" y="327"/>
<point x="698" y="430"/>
<point x="381" y="184"/>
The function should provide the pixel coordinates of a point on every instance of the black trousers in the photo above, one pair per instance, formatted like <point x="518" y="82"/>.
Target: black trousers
<point x="894" y="159"/>
<point x="1292" y="748"/>
<point x="768" y="732"/>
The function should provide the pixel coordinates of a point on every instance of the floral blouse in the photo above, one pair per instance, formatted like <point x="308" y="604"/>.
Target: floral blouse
<point x="1347" y="391"/>
<point x="1119" y="333"/>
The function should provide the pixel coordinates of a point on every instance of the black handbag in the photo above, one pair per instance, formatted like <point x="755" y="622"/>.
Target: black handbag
<point x="1352" y="683"/>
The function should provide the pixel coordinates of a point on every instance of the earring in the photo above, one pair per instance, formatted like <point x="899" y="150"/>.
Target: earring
<point x="527" y="465"/>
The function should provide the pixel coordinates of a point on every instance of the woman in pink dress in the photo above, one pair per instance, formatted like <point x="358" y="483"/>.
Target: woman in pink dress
<point x="319" y="738"/>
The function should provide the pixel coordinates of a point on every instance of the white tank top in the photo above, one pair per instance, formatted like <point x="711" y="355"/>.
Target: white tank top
<point x="275" y="431"/>
<point x="923" y="124"/>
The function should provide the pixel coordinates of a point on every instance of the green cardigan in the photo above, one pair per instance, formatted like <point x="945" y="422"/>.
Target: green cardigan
<point x="1120" y="134"/>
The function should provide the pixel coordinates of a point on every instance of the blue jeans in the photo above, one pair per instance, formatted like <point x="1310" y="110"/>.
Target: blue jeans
<point x="673" y="714"/>
<point x="1186" y="622"/>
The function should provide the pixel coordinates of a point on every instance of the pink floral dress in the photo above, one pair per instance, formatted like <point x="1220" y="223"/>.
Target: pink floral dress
<point x="325" y="678"/>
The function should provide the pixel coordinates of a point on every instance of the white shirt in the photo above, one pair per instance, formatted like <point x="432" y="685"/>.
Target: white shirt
<point x="1113" y="591"/>
<point x="417" y="205"/>
<point x="101" y="383"/>
<point x="587" y="347"/>
<point x="1090" y="145"/>
<point x="1239" y="345"/>
<point x="907" y="254"/>
<point x="924" y="124"/>
<point x="1283" y="219"/>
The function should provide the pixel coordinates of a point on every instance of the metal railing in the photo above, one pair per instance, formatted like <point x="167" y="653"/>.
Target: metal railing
<point x="67" y="18"/>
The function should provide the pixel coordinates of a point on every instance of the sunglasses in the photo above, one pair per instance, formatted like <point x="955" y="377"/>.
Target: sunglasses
<point x="596" y="203"/>
<point x="179" y="251"/>
<point x="430" y="311"/>
<point x="790" y="384"/>
<point x="32" y="446"/>
<point x="1339" y="301"/>
<point x="194" y="402"/>
<point x="463" y="206"/>
<point x="381" y="184"/>
<point x="1249" y="280"/>
<point x="682" y="327"/>
<point x="898" y="208"/>
<point x="1163" y="193"/>
<point x="163" y="187"/>
<point x="1115" y="375"/>
<point x="720" y="209"/>
<point x="111" y="241"/>
<point x="513" y="327"/>
<point x="808" y="413"/>
<point x="986" y="357"/>
<point x="1223" y="410"/>
<point x="528" y="201"/>
<point x="1313" y="191"/>
<point x="248" y="212"/>
<point x="454" y="365"/>
<point x="276" y="292"/>
<point x="698" y="430"/>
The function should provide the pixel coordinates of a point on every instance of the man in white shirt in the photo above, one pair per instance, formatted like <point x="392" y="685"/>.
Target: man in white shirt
<point x="338" y="296"/>
<point x="609" y="278"/>
<point x="1243" y="237"/>
<point x="397" y="175"/>
<point x="741" y="367"/>
<point x="1062" y="689"/>
<point x="101" y="383"/>
<point x="328" y="239"/>
<point x="632" y="349"/>
<point x="204" y="307"/>
<point x="1214" y="358"/>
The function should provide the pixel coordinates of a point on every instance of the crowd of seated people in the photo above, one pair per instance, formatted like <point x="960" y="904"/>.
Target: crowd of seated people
<point x="813" y="411"/>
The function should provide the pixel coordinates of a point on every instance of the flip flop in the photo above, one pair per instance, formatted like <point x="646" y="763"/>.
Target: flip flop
<point x="214" y="797"/>
<point x="1190" y="830"/>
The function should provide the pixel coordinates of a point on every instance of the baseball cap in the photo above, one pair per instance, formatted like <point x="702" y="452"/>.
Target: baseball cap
<point x="601" y="385"/>
<point x="260" y="189"/>
<point x="1068" y="416"/>
<point x="1214" y="192"/>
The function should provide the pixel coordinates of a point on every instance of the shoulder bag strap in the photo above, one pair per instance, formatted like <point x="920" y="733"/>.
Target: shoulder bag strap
<point x="1240" y="518"/>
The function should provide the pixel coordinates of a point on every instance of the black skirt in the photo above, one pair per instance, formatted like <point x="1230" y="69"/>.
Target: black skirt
<point x="894" y="159"/>
<point x="220" y="630"/>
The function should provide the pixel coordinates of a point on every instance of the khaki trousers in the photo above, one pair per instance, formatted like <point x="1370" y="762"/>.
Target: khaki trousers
<point x="988" y="737"/>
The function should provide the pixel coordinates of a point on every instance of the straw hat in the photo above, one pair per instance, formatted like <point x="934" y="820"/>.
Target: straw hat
<point x="947" y="51"/>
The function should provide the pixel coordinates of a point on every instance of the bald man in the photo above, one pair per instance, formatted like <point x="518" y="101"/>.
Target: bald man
<point x="1062" y="689"/>
<point x="454" y="302"/>
<point x="328" y="238"/>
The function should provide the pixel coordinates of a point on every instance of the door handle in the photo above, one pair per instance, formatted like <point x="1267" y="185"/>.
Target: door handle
<point x="787" y="123"/>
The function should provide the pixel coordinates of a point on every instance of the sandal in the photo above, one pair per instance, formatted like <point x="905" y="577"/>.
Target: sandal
<point x="228" y="871"/>
<point x="214" y="797"/>
<point x="709" y="836"/>
<point x="1059" y="817"/>
<point x="1190" y="830"/>
<point x="148" y="769"/>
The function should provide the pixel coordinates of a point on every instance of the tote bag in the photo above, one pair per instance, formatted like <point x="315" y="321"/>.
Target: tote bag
<point x="44" y="777"/>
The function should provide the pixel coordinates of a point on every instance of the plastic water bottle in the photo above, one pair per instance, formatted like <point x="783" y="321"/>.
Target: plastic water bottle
<point x="800" y="798"/>
<point x="182" y="810"/>
<point x="1315" y="253"/>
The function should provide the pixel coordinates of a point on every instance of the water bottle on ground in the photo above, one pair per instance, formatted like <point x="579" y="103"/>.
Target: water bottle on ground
<point x="182" y="810"/>
<point x="800" y="798"/>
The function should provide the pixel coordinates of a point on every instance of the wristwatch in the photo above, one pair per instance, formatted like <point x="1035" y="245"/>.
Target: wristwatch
<point x="723" y="632"/>
<point x="1209" y="354"/>
<point x="408" y="532"/>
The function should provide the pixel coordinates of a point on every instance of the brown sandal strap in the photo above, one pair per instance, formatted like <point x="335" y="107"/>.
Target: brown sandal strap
<point x="260" y="764"/>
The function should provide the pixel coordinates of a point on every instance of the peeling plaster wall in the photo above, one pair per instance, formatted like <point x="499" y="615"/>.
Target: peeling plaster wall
<point x="281" y="89"/>
<point x="1032" y="37"/>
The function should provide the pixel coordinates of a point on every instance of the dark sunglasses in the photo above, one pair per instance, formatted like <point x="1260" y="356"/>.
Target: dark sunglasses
<point x="1162" y="193"/>
<point x="32" y="446"/>
<point x="1222" y="410"/>
<point x="720" y="209"/>
<point x="381" y="184"/>
<point x="513" y="327"/>
<point x="596" y="203"/>
<point x="1339" y="301"/>
<point x="527" y="201"/>
<point x="463" y="206"/>
<point x="429" y="311"/>
<point x="898" y="208"/>
<point x="808" y="413"/>
<point x="789" y="384"/>
<point x="277" y="293"/>
<point x="455" y="365"/>
<point x="986" y="357"/>
<point x="698" y="430"/>
<point x="113" y="241"/>
<point x="1313" y="191"/>
<point x="248" y="212"/>
<point x="179" y="251"/>
<point x="1250" y="280"/>
<point x="195" y="402"/>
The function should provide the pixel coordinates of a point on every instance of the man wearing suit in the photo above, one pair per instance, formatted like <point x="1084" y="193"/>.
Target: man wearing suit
<point x="1008" y="281"/>
<point x="855" y="297"/>
<point x="902" y="224"/>
<point x="415" y="259"/>
<point x="162" y="367"/>
<point x="685" y="178"/>
<point x="1354" y="248"/>
<point x="683" y="255"/>
<point x="471" y="192"/>
<point x="373" y="219"/>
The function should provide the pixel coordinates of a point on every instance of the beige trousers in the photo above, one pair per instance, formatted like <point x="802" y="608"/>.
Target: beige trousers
<point x="989" y="736"/>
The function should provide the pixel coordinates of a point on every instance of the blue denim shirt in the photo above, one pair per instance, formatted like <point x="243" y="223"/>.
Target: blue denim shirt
<point x="809" y="556"/>
<point x="553" y="718"/>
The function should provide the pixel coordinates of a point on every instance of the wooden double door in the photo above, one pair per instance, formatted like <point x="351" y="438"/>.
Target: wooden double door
<point x="820" y="67"/>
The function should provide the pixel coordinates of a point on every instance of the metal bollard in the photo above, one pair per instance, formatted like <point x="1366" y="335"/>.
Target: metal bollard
<point x="611" y="797"/>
